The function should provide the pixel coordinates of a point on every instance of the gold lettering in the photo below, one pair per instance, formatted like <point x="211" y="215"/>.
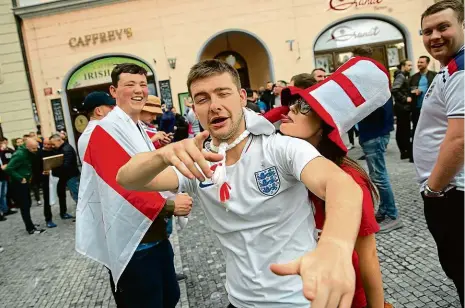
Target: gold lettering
<point x="111" y="35"/>
<point x="128" y="32"/>
<point x="103" y="37"/>
<point x="118" y="33"/>
<point x="94" y="38"/>
<point x="72" y="42"/>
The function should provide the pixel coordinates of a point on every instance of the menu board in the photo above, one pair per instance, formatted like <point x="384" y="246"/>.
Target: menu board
<point x="58" y="116"/>
<point x="165" y="92"/>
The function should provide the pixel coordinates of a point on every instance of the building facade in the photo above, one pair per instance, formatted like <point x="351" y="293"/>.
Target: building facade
<point x="16" y="112"/>
<point x="72" y="45"/>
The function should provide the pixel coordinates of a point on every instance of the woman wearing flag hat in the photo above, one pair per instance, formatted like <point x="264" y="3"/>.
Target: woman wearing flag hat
<point x="309" y="120"/>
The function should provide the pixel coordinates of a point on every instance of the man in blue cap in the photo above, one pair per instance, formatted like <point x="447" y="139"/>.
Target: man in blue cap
<point x="97" y="105"/>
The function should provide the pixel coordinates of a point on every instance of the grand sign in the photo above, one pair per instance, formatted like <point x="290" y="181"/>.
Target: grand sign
<point x="342" y="5"/>
<point x="100" y="38"/>
<point x="357" y="32"/>
<point x="99" y="72"/>
<point x="346" y="33"/>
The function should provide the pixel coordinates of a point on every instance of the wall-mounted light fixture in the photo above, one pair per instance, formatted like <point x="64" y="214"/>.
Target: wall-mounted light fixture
<point x="172" y="62"/>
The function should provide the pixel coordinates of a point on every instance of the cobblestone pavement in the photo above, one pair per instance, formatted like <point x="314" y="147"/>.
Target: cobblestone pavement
<point x="411" y="272"/>
<point x="45" y="271"/>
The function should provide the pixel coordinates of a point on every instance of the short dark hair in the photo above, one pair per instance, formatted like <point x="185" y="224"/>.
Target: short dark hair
<point x="304" y="80"/>
<point x="26" y="136"/>
<point x="129" y="68"/>
<point x="425" y="57"/>
<point x="249" y="92"/>
<point x="455" y="5"/>
<point x="55" y="136"/>
<point x="363" y="51"/>
<point x="212" y="67"/>
<point x="402" y="63"/>
<point x="318" y="69"/>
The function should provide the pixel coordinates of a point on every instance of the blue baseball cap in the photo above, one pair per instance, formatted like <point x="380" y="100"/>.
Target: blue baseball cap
<point x="96" y="99"/>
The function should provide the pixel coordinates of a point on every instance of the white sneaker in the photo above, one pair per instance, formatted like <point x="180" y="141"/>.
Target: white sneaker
<point x="350" y="147"/>
<point x="39" y="203"/>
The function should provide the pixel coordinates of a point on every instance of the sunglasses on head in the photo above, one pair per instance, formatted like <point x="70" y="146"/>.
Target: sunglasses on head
<point x="300" y="105"/>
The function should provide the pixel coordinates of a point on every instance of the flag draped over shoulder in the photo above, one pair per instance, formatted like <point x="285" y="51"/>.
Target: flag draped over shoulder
<point x="110" y="220"/>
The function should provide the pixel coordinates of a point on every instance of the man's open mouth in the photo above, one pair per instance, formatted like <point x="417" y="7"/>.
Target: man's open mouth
<point x="437" y="45"/>
<point x="218" y="120"/>
<point x="137" y="98"/>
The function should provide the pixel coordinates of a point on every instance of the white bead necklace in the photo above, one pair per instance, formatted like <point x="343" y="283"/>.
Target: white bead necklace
<point x="238" y="140"/>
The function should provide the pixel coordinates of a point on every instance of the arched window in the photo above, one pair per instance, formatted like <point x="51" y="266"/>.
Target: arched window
<point x="237" y="61"/>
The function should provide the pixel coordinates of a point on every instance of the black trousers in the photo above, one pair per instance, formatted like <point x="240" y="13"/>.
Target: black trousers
<point x="444" y="217"/>
<point x="22" y="198"/>
<point x="61" y="192"/>
<point x="404" y="132"/>
<point x="415" y="117"/>
<point x="149" y="280"/>
<point x="35" y="187"/>
<point x="44" y="181"/>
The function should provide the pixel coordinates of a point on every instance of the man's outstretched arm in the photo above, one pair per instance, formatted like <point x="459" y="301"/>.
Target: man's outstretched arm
<point x="148" y="171"/>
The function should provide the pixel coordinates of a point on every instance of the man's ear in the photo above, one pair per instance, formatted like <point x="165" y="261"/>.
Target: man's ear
<point x="113" y="91"/>
<point x="243" y="95"/>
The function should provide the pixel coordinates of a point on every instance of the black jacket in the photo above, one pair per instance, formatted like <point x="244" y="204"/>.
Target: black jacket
<point x="182" y="128"/>
<point x="69" y="168"/>
<point x="401" y="91"/>
<point x="253" y="106"/>
<point x="415" y="79"/>
<point x="5" y="156"/>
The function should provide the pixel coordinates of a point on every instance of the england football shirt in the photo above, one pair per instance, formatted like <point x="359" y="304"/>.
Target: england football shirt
<point x="269" y="220"/>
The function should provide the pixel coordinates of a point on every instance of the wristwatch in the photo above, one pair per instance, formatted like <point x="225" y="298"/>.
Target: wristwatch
<point x="431" y="193"/>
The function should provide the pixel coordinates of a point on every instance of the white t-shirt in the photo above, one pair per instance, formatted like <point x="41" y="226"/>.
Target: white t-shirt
<point x="444" y="100"/>
<point x="270" y="220"/>
<point x="85" y="137"/>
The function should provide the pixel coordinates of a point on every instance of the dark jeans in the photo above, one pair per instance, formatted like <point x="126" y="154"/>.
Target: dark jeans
<point x="444" y="217"/>
<point x="46" y="190"/>
<point x="149" y="280"/>
<point x="22" y="197"/>
<point x="73" y="185"/>
<point x="351" y="134"/>
<point x="404" y="132"/>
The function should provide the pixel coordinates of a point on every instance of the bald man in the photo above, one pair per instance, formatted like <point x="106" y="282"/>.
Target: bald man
<point x="20" y="171"/>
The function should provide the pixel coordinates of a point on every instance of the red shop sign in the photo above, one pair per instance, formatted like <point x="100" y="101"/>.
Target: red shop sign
<point x="342" y="5"/>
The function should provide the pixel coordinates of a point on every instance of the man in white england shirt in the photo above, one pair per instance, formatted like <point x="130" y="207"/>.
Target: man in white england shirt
<point x="266" y="216"/>
<point x="97" y="105"/>
<point x="439" y="138"/>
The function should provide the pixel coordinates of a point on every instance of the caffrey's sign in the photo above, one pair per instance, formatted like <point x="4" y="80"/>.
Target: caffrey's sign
<point x="100" y="38"/>
<point x="342" y="5"/>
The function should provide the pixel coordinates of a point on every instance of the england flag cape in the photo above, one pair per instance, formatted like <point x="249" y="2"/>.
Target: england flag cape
<point x="110" y="220"/>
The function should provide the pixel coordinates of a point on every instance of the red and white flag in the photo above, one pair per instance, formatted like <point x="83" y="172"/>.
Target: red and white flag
<point x="110" y="220"/>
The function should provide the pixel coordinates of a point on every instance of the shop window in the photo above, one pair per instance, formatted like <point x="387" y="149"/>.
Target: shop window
<point x="325" y="61"/>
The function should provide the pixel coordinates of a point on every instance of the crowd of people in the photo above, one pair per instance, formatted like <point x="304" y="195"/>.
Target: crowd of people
<point x="244" y="154"/>
<point x="22" y="176"/>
